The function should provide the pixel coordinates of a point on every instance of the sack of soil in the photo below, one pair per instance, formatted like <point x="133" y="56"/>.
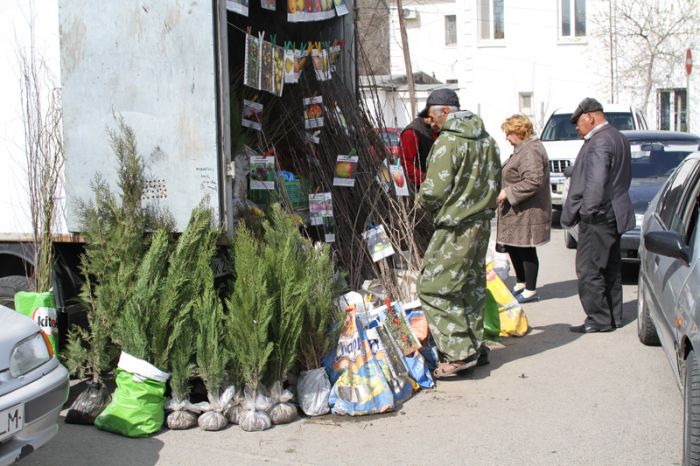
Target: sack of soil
<point x="89" y="404"/>
<point x="254" y="417"/>
<point x="137" y="407"/>
<point x="282" y="411"/>
<point x="313" y="389"/>
<point x="182" y="414"/>
<point x="212" y="417"/>
<point x="234" y="408"/>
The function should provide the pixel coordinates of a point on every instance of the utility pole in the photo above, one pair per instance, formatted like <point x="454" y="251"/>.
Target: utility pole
<point x="612" y="65"/>
<point x="407" y="61"/>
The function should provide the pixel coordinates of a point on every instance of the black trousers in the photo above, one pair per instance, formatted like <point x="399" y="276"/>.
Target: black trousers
<point x="526" y="265"/>
<point x="598" y="268"/>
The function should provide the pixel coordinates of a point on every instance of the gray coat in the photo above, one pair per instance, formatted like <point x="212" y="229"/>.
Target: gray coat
<point x="525" y="218"/>
<point x="600" y="182"/>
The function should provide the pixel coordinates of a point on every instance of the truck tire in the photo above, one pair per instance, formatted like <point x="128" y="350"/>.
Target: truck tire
<point x="569" y="240"/>
<point x="691" y="411"/>
<point x="645" y="327"/>
<point x="10" y="285"/>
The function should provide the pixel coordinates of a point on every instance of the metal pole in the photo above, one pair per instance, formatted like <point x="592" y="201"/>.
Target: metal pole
<point x="612" y="66"/>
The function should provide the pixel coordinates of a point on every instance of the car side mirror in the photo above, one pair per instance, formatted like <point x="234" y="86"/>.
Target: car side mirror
<point x="568" y="171"/>
<point x="667" y="243"/>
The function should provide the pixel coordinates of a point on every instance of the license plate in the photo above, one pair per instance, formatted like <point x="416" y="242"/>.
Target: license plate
<point x="560" y="188"/>
<point x="11" y="421"/>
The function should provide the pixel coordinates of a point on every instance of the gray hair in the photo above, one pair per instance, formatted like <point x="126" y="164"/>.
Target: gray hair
<point x="438" y="108"/>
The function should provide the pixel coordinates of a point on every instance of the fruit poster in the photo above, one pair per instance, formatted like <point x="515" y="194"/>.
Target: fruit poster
<point x="320" y="206"/>
<point x="268" y="4"/>
<point x="291" y="72"/>
<point x="384" y="176"/>
<point x="299" y="11"/>
<point x="399" y="180"/>
<point x="340" y="7"/>
<point x="238" y="6"/>
<point x="252" y="115"/>
<point x="313" y="112"/>
<point x="394" y="319"/>
<point x="378" y="243"/>
<point x="251" y="66"/>
<point x="319" y="58"/>
<point x="266" y="70"/>
<point x="278" y="69"/>
<point x="345" y="170"/>
<point x="262" y="172"/>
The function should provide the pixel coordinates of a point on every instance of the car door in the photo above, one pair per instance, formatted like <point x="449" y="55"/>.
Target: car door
<point x="668" y="276"/>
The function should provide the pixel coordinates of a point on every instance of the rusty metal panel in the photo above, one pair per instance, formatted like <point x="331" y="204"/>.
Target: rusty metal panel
<point x="152" y="63"/>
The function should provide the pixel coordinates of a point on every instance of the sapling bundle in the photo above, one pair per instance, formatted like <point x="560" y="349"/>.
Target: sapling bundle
<point x="150" y="324"/>
<point x="320" y="331"/>
<point x="114" y="246"/>
<point x="250" y="312"/>
<point x="212" y="354"/>
<point x="290" y="282"/>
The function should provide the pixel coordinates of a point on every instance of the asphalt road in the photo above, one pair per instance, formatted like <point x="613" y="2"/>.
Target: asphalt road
<point x="551" y="397"/>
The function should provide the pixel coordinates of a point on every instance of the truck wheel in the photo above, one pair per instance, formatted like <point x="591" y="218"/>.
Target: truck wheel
<point x="691" y="411"/>
<point x="9" y="286"/>
<point x="569" y="241"/>
<point x="645" y="327"/>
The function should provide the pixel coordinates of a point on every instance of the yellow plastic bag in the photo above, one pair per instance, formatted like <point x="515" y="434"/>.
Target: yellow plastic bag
<point x="512" y="317"/>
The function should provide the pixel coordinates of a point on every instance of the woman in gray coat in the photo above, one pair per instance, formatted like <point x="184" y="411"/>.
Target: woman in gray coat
<point x="525" y="205"/>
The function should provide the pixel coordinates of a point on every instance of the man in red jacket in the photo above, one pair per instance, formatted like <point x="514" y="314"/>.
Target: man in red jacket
<point x="416" y="140"/>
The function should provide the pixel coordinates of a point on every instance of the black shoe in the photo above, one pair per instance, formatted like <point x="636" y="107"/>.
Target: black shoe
<point x="590" y="328"/>
<point x="483" y="358"/>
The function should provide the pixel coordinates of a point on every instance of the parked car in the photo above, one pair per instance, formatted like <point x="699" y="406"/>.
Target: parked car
<point x="655" y="154"/>
<point x="668" y="308"/>
<point x="33" y="387"/>
<point x="562" y="142"/>
<point x="391" y="138"/>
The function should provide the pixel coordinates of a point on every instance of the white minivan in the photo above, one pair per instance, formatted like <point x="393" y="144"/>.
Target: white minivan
<point x="562" y="142"/>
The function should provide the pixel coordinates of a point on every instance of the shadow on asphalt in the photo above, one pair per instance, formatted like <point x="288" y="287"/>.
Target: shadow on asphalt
<point x="558" y="290"/>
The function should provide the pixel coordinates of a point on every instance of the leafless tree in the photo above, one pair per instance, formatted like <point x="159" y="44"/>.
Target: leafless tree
<point x="646" y="41"/>
<point x="41" y="115"/>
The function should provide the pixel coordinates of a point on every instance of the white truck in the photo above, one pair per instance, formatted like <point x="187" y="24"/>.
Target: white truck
<point x="562" y="142"/>
<point x="170" y="70"/>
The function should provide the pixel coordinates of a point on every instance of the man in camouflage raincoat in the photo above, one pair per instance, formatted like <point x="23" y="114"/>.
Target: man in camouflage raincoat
<point x="460" y="190"/>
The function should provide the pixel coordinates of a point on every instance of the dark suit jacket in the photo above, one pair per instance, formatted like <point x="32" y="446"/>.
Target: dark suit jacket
<point x="600" y="182"/>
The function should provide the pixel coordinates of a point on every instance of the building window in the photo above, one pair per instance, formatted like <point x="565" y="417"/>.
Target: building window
<point x="452" y="81"/>
<point x="672" y="109"/>
<point x="491" y="19"/>
<point x="450" y="30"/>
<point x="573" y="18"/>
<point x="525" y="103"/>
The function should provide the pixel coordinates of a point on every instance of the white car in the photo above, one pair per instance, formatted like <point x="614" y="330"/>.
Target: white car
<point x="562" y="142"/>
<point x="33" y="387"/>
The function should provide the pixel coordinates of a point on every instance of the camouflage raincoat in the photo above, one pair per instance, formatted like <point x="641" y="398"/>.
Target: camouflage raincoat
<point x="460" y="190"/>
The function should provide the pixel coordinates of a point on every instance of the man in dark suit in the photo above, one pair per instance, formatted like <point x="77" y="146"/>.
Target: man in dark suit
<point x="598" y="201"/>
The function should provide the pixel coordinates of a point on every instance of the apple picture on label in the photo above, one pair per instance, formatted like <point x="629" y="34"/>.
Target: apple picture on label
<point x="399" y="180"/>
<point x="343" y="169"/>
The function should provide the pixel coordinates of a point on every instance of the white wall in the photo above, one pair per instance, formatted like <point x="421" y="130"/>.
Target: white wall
<point x="531" y="58"/>
<point x="15" y="18"/>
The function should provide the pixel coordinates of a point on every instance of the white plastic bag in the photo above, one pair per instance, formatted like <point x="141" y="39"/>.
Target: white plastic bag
<point x="313" y="389"/>
<point x="501" y="262"/>
<point x="254" y="417"/>
<point x="212" y="417"/>
<point x="282" y="411"/>
<point x="183" y="414"/>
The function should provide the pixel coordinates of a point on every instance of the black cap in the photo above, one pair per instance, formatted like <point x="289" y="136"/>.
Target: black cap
<point x="587" y="105"/>
<point x="440" y="97"/>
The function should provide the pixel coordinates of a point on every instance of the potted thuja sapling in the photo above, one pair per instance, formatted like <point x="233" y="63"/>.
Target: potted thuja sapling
<point x="248" y="322"/>
<point x="113" y="227"/>
<point x="290" y="284"/>
<point x="151" y="322"/>
<point x="320" y="331"/>
<point x="182" y="414"/>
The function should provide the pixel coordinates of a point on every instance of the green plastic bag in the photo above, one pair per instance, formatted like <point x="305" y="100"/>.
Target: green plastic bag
<point x="41" y="308"/>
<point x="138" y="404"/>
<point x="492" y="321"/>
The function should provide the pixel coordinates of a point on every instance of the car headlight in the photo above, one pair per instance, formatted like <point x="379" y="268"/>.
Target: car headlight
<point x="29" y="354"/>
<point x="638" y="220"/>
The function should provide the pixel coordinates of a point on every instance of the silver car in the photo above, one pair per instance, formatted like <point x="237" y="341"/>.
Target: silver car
<point x="33" y="387"/>
<point x="668" y="307"/>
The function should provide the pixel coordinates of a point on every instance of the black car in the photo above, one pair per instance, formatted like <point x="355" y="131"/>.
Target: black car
<point x="668" y="308"/>
<point x="655" y="154"/>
